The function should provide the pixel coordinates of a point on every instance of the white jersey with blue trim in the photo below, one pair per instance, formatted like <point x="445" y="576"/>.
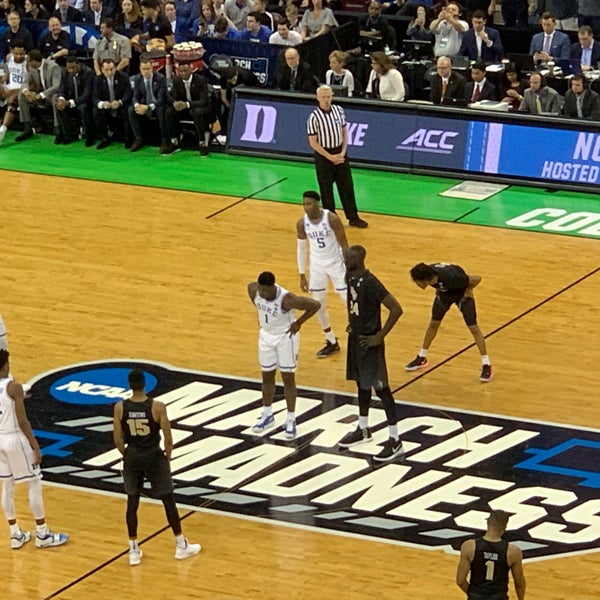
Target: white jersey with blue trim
<point x="323" y="243"/>
<point x="17" y="74"/>
<point x="272" y="318"/>
<point x="8" y="417"/>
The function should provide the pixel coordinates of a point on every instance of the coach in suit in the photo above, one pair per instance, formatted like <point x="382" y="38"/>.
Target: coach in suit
<point x="581" y="102"/>
<point x="190" y="99"/>
<point x="67" y="13"/>
<point x="481" y="43"/>
<point x="446" y="83"/>
<point x="74" y="102"/>
<point x="95" y="15"/>
<point x="39" y="92"/>
<point x="111" y="99"/>
<point x="586" y="50"/>
<point x="150" y="99"/>
<point x="539" y="98"/>
<point x="551" y="43"/>
<point x="479" y="88"/>
<point x="295" y="75"/>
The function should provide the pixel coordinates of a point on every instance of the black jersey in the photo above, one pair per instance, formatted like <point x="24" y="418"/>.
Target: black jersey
<point x="365" y="295"/>
<point x="140" y="429"/>
<point x="451" y="278"/>
<point x="489" y="570"/>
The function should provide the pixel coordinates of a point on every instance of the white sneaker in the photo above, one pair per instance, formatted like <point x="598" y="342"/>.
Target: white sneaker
<point x="135" y="557"/>
<point x="51" y="539"/>
<point x="187" y="551"/>
<point x="2" y="134"/>
<point x="290" y="429"/>
<point x="19" y="539"/>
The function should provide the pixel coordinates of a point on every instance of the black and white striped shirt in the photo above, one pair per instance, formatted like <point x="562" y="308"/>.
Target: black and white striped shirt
<point x="327" y="126"/>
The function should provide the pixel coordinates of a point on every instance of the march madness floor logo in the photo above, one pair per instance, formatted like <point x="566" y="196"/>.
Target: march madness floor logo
<point x="457" y="464"/>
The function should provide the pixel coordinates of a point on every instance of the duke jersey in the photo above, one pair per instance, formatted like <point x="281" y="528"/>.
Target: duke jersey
<point x="17" y="74"/>
<point x="451" y="278"/>
<point x="489" y="569"/>
<point x="272" y="317"/>
<point x="323" y="243"/>
<point x="140" y="430"/>
<point x="8" y="417"/>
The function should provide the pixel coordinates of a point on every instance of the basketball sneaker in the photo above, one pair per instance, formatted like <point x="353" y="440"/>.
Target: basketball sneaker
<point x="290" y="429"/>
<point x="186" y="551"/>
<point x="264" y="422"/>
<point x="358" y="436"/>
<point x="328" y="349"/>
<point x="51" y="539"/>
<point x="19" y="539"/>
<point x="420" y="362"/>
<point x="391" y="449"/>
<point x="486" y="373"/>
<point x="135" y="556"/>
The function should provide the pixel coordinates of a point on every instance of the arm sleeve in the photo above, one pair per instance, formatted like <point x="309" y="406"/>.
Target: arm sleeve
<point x="301" y="256"/>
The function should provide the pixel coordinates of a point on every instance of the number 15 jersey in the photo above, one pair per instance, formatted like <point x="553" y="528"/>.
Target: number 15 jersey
<point x="140" y="430"/>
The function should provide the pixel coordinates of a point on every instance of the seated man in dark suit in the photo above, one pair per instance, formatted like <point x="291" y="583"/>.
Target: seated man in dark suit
<point x="446" y="83"/>
<point x="74" y="103"/>
<point x="295" y="75"/>
<point x="540" y="98"/>
<point x="479" y="88"/>
<point x="94" y="16"/>
<point x="551" y="43"/>
<point x="586" y="50"/>
<point x="581" y="102"/>
<point x="481" y="43"/>
<point x="67" y="13"/>
<point x="110" y="100"/>
<point x="191" y="100"/>
<point x="150" y="99"/>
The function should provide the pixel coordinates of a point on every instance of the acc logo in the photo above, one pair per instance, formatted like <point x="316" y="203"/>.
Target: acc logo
<point x="260" y="123"/>
<point x="435" y="141"/>
<point x="457" y="464"/>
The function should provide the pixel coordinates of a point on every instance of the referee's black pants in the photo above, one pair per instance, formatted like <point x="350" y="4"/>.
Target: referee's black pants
<point x="328" y="174"/>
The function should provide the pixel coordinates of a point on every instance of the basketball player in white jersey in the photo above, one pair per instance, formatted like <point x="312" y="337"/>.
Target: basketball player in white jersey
<point x="278" y="343"/>
<point x="20" y="458"/>
<point x="13" y="79"/>
<point x="327" y="242"/>
<point x="3" y="340"/>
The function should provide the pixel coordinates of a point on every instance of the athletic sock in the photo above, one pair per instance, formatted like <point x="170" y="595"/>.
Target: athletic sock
<point x="180" y="540"/>
<point x="267" y="411"/>
<point x="393" y="431"/>
<point x="363" y="422"/>
<point x="485" y="359"/>
<point x="15" y="529"/>
<point x="291" y="416"/>
<point x="42" y="530"/>
<point x="330" y="337"/>
<point x="133" y="545"/>
<point x="423" y="353"/>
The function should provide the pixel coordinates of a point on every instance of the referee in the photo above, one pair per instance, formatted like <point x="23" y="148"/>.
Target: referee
<point x="328" y="137"/>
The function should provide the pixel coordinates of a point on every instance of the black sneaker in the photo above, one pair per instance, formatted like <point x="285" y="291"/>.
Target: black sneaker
<point x="418" y="363"/>
<point x="391" y="449"/>
<point x="486" y="373"/>
<point x="328" y="349"/>
<point x="358" y="436"/>
<point x="358" y="223"/>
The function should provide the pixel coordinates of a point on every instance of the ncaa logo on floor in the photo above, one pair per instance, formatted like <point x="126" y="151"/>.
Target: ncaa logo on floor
<point x="458" y="464"/>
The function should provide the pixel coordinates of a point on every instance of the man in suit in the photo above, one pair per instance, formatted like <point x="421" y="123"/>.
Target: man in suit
<point x="586" y="50"/>
<point x="581" y="102"/>
<point x="150" y="98"/>
<point x="67" y="13"/>
<point x="446" y="83"/>
<point x="479" y="88"/>
<point x="551" y="43"/>
<point x="295" y="75"/>
<point x="481" y="43"/>
<point x="191" y="100"/>
<point x="94" y="16"/>
<point x="110" y="101"/>
<point x="539" y="98"/>
<point x="74" y="102"/>
<point x="39" y="91"/>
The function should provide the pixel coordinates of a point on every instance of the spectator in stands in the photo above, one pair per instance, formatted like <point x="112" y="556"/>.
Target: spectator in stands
<point x="448" y="29"/>
<point x="446" y="83"/>
<point x="291" y="12"/>
<point x="74" y="103"/>
<point x="237" y="11"/>
<point x="55" y="44"/>
<point x="93" y="17"/>
<point x="231" y="78"/>
<point x="581" y="102"/>
<point x="39" y="91"/>
<point x="550" y="44"/>
<point x="565" y="12"/>
<point x="284" y="36"/>
<point x="482" y="43"/>
<point x="479" y="88"/>
<point x="129" y="17"/>
<point x="588" y="13"/>
<point x="179" y="25"/>
<point x="110" y="102"/>
<point x="337" y="74"/>
<point x="385" y="81"/>
<point x="8" y="6"/>
<point x="419" y="29"/>
<point x="155" y="27"/>
<point x="473" y="5"/>
<point x="295" y="75"/>
<point x="393" y="7"/>
<point x="225" y="30"/>
<point x="111" y="45"/>
<point x="204" y="25"/>
<point x="512" y="86"/>
<point x="12" y="82"/>
<point x="187" y="10"/>
<point x="34" y="9"/>
<point x="255" y="32"/>
<point x="586" y="50"/>
<point x="67" y="13"/>
<point x="16" y="34"/>
<point x="538" y="98"/>
<point x="266" y="18"/>
<point x="190" y="101"/>
<point x="515" y="12"/>
<point x="375" y="25"/>
<point x="317" y="20"/>
<point x="219" y="7"/>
